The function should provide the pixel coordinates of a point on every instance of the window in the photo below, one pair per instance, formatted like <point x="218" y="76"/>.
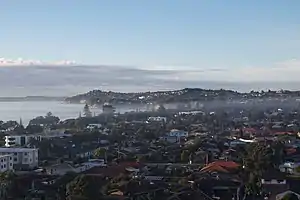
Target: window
<point x="1" y="166"/>
<point x="10" y="164"/>
<point x="15" y="154"/>
<point x="10" y="158"/>
<point x="25" y="153"/>
<point x="4" y="165"/>
<point x="15" y="160"/>
<point x="1" y="160"/>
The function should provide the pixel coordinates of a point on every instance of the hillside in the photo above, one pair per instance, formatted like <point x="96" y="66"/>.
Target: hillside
<point x="185" y="95"/>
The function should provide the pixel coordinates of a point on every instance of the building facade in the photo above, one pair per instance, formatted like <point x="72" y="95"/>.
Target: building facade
<point x="6" y="163"/>
<point x="20" y="140"/>
<point x="23" y="157"/>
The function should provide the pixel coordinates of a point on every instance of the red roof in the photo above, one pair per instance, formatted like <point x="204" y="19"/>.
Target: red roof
<point x="250" y="130"/>
<point x="213" y="168"/>
<point x="283" y="133"/>
<point x="221" y="166"/>
<point x="290" y="151"/>
<point x="226" y="164"/>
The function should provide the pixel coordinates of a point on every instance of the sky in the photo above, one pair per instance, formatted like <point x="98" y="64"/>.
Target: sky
<point x="210" y="40"/>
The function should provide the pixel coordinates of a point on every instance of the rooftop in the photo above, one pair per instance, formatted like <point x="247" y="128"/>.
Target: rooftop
<point x="15" y="150"/>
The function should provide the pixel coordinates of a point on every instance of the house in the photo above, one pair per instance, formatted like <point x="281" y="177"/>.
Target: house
<point x="6" y="163"/>
<point x="289" y="167"/>
<point x="20" y="140"/>
<point x="24" y="157"/>
<point x="63" y="168"/>
<point x="220" y="166"/>
<point x="108" y="108"/>
<point x="177" y="133"/>
<point x="59" y="169"/>
<point x="175" y="136"/>
<point x="274" y="182"/>
<point x="157" y="119"/>
<point x="23" y="140"/>
<point x="93" y="126"/>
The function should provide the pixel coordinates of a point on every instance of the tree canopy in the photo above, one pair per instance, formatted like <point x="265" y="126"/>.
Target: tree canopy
<point x="47" y="120"/>
<point x="84" y="187"/>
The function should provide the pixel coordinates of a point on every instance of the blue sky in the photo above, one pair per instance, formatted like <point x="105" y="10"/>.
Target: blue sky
<point x="190" y="33"/>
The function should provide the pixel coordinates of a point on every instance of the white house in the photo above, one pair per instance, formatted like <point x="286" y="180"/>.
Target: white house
<point x="23" y="140"/>
<point x="93" y="126"/>
<point x="157" y="119"/>
<point x="22" y="156"/>
<point x="62" y="169"/>
<point x="6" y="163"/>
<point x="20" y="140"/>
<point x="289" y="167"/>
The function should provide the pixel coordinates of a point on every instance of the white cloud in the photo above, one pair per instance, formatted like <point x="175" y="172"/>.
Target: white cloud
<point x="24" y="62"/>
<point x="286" y="71"/>
<point x="50" y="79"/>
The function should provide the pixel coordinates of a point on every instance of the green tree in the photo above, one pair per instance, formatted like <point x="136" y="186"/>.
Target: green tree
<point x="84" y="187"/>
<point x="48" y="120"/>
<point x="60" y="184"/>
<point x="99" y="153"/>
<point x="184" y="156"/>
<point x="255" y="160"/>
<point x="7" y="184"/>
<point x="34" y="129"/>
<point x="290" y="196"/>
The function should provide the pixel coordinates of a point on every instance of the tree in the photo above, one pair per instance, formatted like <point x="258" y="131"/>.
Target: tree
<point x="255" y="159"/>
<point x="184" y="156"/>
<point x="290" y="196"/>
<point x="86" y="111"/>
<point x="100" y="153"/>
<point x="31" y="128"/>
<point x="61" y="183"/>
<point x="7" y="183"/>
<point x="49" y="114"/>
<point x="48" y="120"/>
<point x="84" y="187"/>
<point x="9" y="125"/>
<point x="19" y="129"/>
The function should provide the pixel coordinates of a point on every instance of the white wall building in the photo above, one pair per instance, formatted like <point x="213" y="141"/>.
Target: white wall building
<point x="6" y="163"/>
<point x="62" y="169"/>
<point x="23" y="140"/>
<point x="94" y="126"/>
<point x="22" y="156"/>
<point x="157" y="119"/>
<point x="289" y="167"/>
<point x="20" y="140"/>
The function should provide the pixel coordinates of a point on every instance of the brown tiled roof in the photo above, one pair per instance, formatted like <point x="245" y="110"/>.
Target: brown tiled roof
<point x="221" y="166"/>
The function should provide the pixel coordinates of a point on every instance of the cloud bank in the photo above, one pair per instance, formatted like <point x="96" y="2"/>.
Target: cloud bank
<point x="22" y="62"/>
<point x="68" y="78"/>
